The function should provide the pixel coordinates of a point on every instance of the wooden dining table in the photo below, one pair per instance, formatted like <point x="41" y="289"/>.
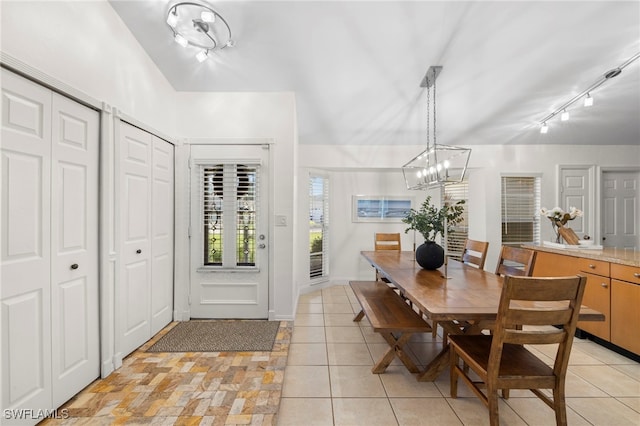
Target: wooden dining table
<point x="460" y="298"/>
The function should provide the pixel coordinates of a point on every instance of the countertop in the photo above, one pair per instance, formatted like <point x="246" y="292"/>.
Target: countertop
<point x="607" y="254"/>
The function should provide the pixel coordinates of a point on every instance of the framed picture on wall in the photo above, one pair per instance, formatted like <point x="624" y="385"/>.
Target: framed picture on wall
<point x="380" y="208"/>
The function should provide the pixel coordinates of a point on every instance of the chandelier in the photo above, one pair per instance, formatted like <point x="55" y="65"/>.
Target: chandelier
<point x="438" y="165"/>
<point x="200" y="27"/>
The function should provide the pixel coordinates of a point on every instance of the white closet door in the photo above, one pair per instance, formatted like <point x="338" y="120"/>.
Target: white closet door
<point x="134" y="286"/>
<point x="26" y="257"/>
<point x="74" y="242"/>
<point x="162" y="235"/>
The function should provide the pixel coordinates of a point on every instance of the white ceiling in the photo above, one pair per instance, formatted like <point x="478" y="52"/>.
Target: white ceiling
<point x="356" y="66"/>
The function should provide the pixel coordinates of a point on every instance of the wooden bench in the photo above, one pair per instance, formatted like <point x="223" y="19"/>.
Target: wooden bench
<point x="389" y="313"/>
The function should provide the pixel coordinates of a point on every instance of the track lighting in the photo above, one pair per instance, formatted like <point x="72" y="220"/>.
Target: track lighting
<point x="586" y="94"/>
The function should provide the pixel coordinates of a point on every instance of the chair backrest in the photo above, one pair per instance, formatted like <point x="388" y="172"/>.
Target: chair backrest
<point x="475" y="252"/>
<point x="387" y="241"/>
<point x="524" y="301"/>
<point x="515" y="261"/>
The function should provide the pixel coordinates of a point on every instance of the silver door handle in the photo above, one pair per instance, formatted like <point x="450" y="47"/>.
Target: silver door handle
<point x="262" y="246"/>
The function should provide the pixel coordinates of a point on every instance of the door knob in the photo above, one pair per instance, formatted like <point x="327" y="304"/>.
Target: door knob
<point x="138" y="251"/>
<point x="74" y="266"/>
<point x="261" y="246"/>
<point x="604" y="285"/>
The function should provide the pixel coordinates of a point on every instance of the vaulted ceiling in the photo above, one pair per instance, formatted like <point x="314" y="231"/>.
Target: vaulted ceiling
<point x="356" y="66"/>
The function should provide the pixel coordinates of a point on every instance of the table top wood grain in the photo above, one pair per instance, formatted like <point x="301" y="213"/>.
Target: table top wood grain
<point x="465" y="293"/>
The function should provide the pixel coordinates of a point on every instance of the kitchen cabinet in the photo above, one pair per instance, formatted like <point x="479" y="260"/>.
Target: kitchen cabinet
<point x="625" y="303"/>
<point x="613" y="288"/>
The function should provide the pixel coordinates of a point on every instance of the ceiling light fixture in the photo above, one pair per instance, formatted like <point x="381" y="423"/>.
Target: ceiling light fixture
<point x="198" y="25"/>
<point x="588" y="99"/>
<point x="438" y="165"/>
<point x="544" y="129"/>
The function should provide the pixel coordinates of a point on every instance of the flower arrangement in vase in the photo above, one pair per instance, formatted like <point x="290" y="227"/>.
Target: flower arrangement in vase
<point x="430" y="221"/>
<point x="559" y="218"/>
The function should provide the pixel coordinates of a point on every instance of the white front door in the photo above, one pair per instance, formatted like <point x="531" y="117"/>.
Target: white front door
<point x="229" y="231"/>
<point x="620" y="209"/>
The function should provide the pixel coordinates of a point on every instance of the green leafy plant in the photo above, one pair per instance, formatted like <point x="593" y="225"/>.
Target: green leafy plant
<point x="429" y="220"/>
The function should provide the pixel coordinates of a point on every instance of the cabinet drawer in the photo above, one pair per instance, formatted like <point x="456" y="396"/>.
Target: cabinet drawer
<point x="625" y="273"/>
<point x="597" y="267"/>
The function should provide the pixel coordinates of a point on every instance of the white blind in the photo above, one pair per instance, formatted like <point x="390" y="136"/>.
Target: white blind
<point x="455" y="240"/>
<point x="520" y="210"/>
<point x="318" y="226"/>
<point x="230" y="202"/>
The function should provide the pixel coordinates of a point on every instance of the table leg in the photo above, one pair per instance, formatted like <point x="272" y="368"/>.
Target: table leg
<point x="441" y="361"/>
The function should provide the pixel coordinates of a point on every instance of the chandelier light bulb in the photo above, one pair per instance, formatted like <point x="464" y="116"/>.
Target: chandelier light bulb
<point x="544" y="129"/>
<point x="172" y="19"/>
<point x="588" y="101"/>
<point x="438" y="167"/>
<point x="181" y="40"/>
<point x="446" y="164"/>
<point x="202" y="55"/>
<point x="419" y="174"/>
<point x="564" y="116"/>
<point x="208" y="16"/>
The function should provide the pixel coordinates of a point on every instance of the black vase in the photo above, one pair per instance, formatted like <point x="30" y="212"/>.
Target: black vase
<point x="430" y="255"/>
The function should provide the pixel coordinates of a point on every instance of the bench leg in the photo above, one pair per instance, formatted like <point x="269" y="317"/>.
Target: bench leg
<point x="359" y="316"/>
<point x="395" y="349"/>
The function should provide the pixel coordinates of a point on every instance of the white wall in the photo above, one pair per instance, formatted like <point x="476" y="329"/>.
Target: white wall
<point x="215" y="117"/>
<point x="350" y="169"/>
<point x="86" y="45"/>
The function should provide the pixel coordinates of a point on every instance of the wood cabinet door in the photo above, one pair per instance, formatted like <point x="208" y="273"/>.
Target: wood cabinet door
<point x="597" y="296"/>
<point x="554" y="265"/>
<point x="625" y="315"/>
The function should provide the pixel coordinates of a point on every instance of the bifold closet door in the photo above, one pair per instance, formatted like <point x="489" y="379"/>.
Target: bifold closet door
<point x="162" y="246"/>
<point x="26" y="244"/>
<point x="145" y="288"/>
<point x="74" y="248"/>
<point x="49" y="293"/>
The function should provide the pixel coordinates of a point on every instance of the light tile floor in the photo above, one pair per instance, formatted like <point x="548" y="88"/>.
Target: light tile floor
<point x="328" y="379"/>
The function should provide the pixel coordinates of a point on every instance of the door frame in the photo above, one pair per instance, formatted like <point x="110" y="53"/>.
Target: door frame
<point x="182" y="311"/>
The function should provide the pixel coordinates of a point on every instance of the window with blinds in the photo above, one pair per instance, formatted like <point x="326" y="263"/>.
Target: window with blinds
<point x="455" y="240"/>
<point x="230" y="202"/>
<point x="318" y="226"/>
<point x="520" y="210"/>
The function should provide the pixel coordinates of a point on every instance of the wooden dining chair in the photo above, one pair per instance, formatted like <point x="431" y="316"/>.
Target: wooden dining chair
<point x="515" y="261"/>
<point x="502" y="361"/>
<point x="475" y="253"/>
<point x="386" y="241"/>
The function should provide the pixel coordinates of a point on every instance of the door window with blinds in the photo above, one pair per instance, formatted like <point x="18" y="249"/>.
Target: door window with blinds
<point x="520" y="210"/>
<point x="318" y="226"/>
<point x="230" y="200"/>
<point x="455" y="240"/>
